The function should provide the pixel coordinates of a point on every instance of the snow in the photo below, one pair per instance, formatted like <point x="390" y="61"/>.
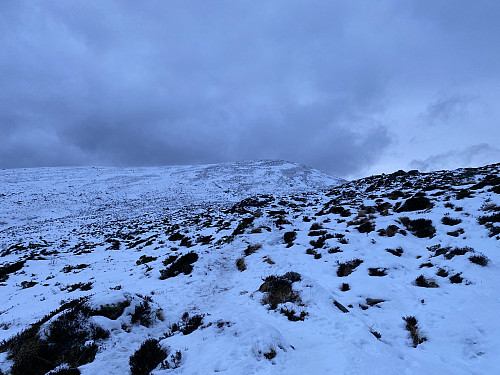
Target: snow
<point x="78" y="212"/>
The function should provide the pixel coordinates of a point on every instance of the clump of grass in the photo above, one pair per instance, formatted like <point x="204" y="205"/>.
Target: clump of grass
<point x="412" y="327"/>
<point x="316" y="226"/>
<point x="446" y="220"/>
<point x="397" y="252"/>
<point x="419" y="227"/>
<point x="479" y="259"/>
<point x="278" y="289"/>
<point x="188" y="324"/>
<point x="416" y="203"/>
<point x="456" y="233"/>
<point x="70" y="268"/>
<point x="183" y="264"/>
<point x="147" y="357"/>
<point x="346" y="268"/>
<point x="240" y="264"/>
<point x="314" y="233"/>
<point x="28" y="284"/>
<point x="319" y="243"/>
<point x="458" y="251"/>
<point x="333" y="250"/>
<point x="378" y="271"/>
<point x="366" y="227"/>
<point x="488" y="221"/>
<point x="427" y="265"/>
<point x="292" y="315"/>
<point x="463" y="193"/>
<point x="252" y="249"/>
<point x="81" y="286"/>
<point x="143" y="259"/>
<point x="424" y="282"/>
<point x="456" y="279"/>
<point x="289" y="237"/>
<point x="270" y="354"/>
<point x="142" y="314"/>
<point x="243" y="225"/>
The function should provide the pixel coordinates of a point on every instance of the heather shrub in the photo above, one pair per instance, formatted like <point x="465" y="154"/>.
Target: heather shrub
<point x="147" y="357"/>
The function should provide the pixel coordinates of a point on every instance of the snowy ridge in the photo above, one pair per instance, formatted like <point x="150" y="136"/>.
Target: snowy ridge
<point x="29" y="196"/>
<point x="388" y="274"/>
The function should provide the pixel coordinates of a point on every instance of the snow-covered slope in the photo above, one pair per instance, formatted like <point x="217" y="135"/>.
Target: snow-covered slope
<point x="391" y="274"/>
<point x="29" y="196"/>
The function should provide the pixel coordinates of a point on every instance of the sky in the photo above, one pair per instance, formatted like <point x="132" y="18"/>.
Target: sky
<point x="352" y="87"/>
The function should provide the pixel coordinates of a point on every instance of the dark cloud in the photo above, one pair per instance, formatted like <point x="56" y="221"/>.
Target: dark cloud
<point x="448" y="108"/>
<point x="147" y="83"/>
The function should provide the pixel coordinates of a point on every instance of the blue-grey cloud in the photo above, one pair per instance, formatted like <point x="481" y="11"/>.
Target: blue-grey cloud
<point x="175" y="82"/>
<point x="448" y="108"/>
<point x="473" y="156"/>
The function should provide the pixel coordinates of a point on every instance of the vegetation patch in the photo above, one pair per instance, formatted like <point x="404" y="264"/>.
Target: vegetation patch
<point x="147" y="357"/>
<point x="252" y="249"/>
<point x="142" y="314"/>
<point x="314" y="233"/>
<point x="442" y="272"/>
<point x="412" y="327"/>
<point x="292" y="315"/>
<point x="464" y="193"/>
<point x="143" y="259"/>
<point x="479" y="259"/>
<point x="183" y="264"/>
<point x="456" y="233"/>
<point x="28" y="284"/>
<point x="9" y="268"/>
<point x="240" y="264"/>
<point x="456" y="279"/>
<point x="84" y="287"/>
<point x="243" y="225"/>
<point x="397" y="252"/>
<point x="378" y="271"/>
<point x="346" y="268"/>
<point x="278" y="289"/>
<point x="488" y="221"/>
<point x="289" y="237"/>
<point x="70" y="338"/>
<point x="69" y="268"/>
<point x="318" y="243"/>
<point x="316" y="226"/>
<point x="187" y="325"/>
<point x="416" y="203"/>
<point x="270" y="354"/>
<point x="421" y="228"/>
<point x="366" y="227"/>
<point x="426" y="265"/>
<point x="446" y="220"/>
<point x="424" y="282"/>
<point x="458" y="251"/>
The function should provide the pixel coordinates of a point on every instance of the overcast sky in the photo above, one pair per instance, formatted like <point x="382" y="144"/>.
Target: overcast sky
<point x="349" y="87"/>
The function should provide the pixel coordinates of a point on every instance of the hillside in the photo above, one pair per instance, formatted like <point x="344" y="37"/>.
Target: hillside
<point x="239" y="272"/>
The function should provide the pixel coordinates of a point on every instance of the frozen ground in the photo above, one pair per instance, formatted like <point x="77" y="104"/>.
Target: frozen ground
<point x="190" y="262"/>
